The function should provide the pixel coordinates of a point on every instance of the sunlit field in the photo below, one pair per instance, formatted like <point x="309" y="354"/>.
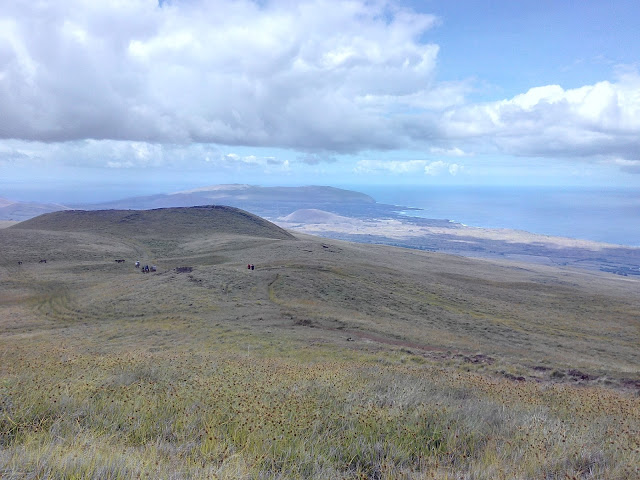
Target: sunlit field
<point x="237" y="406"/>
<point x="303" y="369"/>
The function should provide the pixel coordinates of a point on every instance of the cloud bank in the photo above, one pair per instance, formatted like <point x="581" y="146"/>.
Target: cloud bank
<point x="308" y="75"/>
<point x="400" y="167"/>
<point x="321" y="77"/>
<point x="601" y="120"/>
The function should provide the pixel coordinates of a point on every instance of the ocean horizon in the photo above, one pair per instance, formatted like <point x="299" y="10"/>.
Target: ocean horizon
<point x="610" y="215"/>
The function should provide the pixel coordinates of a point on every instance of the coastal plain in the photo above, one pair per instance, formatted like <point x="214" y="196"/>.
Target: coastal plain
<point x="329" y="359"/>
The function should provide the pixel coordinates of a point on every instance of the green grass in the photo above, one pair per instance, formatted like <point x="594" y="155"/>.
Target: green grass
<point x="160" y="226"/>
<point x="352" y="363"/>
<point x="284" y="410"/>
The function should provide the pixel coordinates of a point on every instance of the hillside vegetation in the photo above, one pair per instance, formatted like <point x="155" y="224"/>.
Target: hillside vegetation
<point x="329" y="360"/>
<point x="159" y="223"/>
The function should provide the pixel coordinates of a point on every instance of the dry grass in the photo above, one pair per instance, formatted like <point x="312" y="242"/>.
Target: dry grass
<point x="327" y="361"/>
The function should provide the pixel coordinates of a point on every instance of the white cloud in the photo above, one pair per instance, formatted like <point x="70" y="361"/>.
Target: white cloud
<point x="400" y="167"/>
<point x="435" y="168"/>
<point x="450" y="152"/>
<point x="454" y="169"/>
<point x="114" y="154"/>
<point x="630" y="166"/>
<point x="126" y="164"/>
<point x="311" y="75"/>
<point x="158" y="85"/>
<point x="392" y="166"/>
<point x="588" y="122"/>
<point x="253" y="160"/>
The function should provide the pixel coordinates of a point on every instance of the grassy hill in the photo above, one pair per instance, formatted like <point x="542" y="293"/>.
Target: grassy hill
<point x="161" y="222"/>
<point x="329" y="360"/>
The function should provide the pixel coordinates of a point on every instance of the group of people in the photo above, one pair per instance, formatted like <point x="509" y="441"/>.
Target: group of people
<point x="153" y="268"/>
<point x="146" y="268"/>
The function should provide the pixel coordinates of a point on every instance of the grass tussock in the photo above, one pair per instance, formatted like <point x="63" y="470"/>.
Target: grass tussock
<point x="220" y="412"/>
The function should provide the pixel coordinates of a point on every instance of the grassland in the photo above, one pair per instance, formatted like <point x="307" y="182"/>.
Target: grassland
<point x="330" y="360"/>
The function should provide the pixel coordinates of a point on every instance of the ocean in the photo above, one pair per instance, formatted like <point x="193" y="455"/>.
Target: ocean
<point x="601" y="214"/>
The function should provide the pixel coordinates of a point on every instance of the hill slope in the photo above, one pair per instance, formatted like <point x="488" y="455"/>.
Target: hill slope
<point x="329" y="360"/>
<point x="526" y="314"/>
<point x="162" y="222"/>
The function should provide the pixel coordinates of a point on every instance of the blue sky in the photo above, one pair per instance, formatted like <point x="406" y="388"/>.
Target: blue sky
<point x="516" y="45"/>
<point x="102" y="100"/>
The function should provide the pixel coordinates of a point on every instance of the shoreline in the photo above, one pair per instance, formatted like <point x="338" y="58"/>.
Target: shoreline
<point x="469" y="241"/>
<point x="598" y="214"/>
<point x="404" y="214"/>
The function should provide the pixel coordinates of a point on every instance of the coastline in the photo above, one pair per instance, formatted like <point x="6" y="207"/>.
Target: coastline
<point x="603" y="215"/>
<point x="446" y="236"/>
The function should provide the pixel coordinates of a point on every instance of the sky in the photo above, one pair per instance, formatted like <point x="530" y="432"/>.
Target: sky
<point x="106" y="99"/>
